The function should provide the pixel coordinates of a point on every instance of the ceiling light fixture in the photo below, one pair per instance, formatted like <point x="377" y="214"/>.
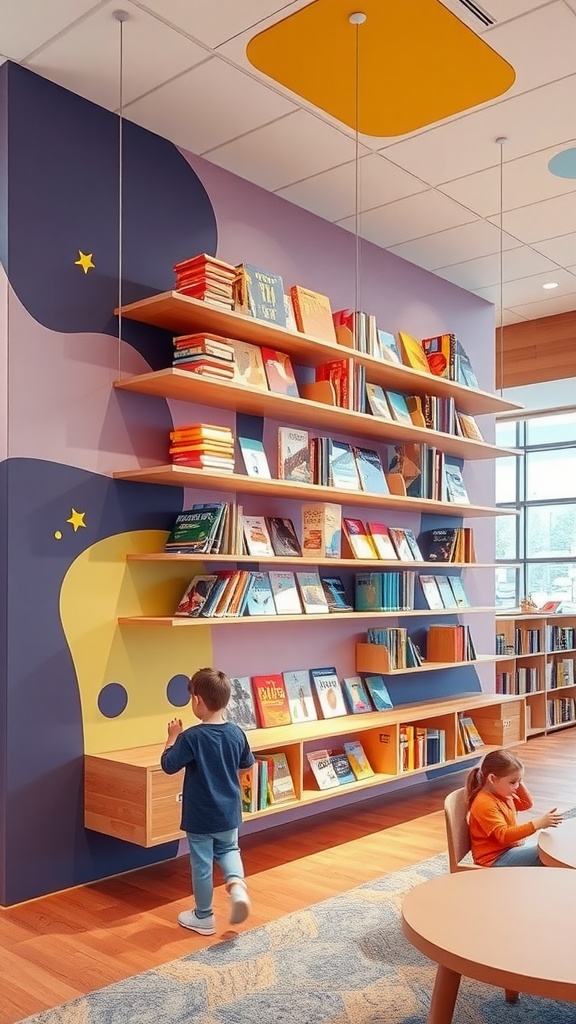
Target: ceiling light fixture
<point x="501" y="141"/>
<point x="550" y="284"/>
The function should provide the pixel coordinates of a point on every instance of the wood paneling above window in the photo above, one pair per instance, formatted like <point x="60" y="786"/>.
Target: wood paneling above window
<point x="537" y="350"/>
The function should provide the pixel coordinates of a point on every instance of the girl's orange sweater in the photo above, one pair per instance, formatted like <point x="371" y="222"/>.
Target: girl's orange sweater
<point x="493" y="825"/>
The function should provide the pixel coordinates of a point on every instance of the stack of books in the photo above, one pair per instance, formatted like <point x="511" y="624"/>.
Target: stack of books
<point x="203" y="446"/>
<point x="206" y="278"/>
<point x="204" y="354"/>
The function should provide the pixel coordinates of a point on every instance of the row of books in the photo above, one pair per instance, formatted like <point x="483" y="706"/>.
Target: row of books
<point x="268" y="781"/>
<point x="222" y="528"/>
<point x="560" y="638"/>
<point x="401" y="649"/>
<point x="303" y="695"/>
<point x="227" y="593"/>
<point x="338" y="767"/>
<point x="560" y="673"/>
<point x="560" y="711"/>
<point x="451" y="643"/>
<point x="203" y="446"/>
<point x="468" y="738"/>
<point x="420" y="747"/>
<point x="260" y="293"/>
<point x="520" y="682"/>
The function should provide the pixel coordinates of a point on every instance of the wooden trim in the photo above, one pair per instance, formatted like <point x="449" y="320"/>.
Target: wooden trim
<point x="537" y="350"/>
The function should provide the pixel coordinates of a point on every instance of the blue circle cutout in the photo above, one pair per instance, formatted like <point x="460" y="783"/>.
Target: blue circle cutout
<point x="563" y="165"/>
<point x="177" y="691"/>
<point x="112" y="700"/>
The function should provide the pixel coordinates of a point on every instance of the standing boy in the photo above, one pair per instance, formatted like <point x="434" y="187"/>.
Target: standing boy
<point x="211" y="754"/>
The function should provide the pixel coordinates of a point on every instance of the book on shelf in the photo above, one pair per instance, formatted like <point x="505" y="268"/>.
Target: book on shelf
<point x="283" y="536"/>
<point x="446" y="592"/>
<point x="279" y="372"/>
<point x="335" y="594"/>
<point x="440" y="544"/>
<point x="294" y="455"/>
<point x="195" y="432"/>
<point x="458" y="590"/>
<point x="248" y="778"/>
<point x="271" y="700"/>
<point x="195" y="595"/>
<point x="440" y="355"/>
<point x="206" y="278"/>
<point x="240" y="708"/>
<point x="455" y="486"/>
<point x="413" y="354"/>
<point x="322" y="769"/>
<point x="249" y="365"/>
<point x="195" y="528"/>
<point x="256" y="536"/>
<point x="327" y="692"/>
<point x="289" y="313"/>
<point x="260" y="600"/>
<point x="260" y="294"/>
<point x="204" y="366"/>
<point x="406" y="748"/>
<point x="370" y="471"/>
<point x="285" y="592"/>
<point x="282" y="784"/>
<point x="401" y="543"/>
<point x="359" y="763"/>
<point x="407" y="461"/>
<point x="321" y="530"/>
<point x="469" y="735"/>
<point x="388" y="347"/>
<point x="340" y="373"/>
<point x="379" y="692"/>
<point x="431" y="592"/>
<point x="343" y="471"/>
<point x="205" y="344"/>
<point x="368" y="592"/>
<point x="356" y="695"/>
<point x="468" y="427"/>
<point x="464" y="371"/>
<point x="311" y="592"/>
<point x="300" y="698"/>
<point x="358" y="540"/>
<point x="399" y="408"/>
<point x="451" y="643"/>
<point x="380" y="538"/>
<point x="254" y="457"/>
<point x="378" y="402"/>
<point x="341" y="766"/>
<point x="313" y="313"/>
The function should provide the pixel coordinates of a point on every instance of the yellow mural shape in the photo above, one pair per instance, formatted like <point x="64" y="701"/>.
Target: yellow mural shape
<point x="417" y="63"/>
<point x="101" y="585"/>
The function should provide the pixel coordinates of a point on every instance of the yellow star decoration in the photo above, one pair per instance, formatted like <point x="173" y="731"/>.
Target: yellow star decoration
<point x="85" y="261"/>
<point x="77" y="519"/>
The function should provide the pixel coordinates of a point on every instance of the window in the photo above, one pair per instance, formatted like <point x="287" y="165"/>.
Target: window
<point x="536" y="550"/>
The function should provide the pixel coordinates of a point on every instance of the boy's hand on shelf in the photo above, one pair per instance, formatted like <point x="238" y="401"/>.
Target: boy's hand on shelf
<point x="549" y="820"/>
<point x="174" y="728"/>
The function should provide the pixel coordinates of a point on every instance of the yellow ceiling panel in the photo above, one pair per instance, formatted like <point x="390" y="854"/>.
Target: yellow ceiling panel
<point x="417" y="62"/>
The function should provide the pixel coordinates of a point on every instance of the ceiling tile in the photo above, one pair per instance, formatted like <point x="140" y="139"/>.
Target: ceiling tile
<point x="526" y="180"/>
<point x="444" y="248"/>
<point x="214" y="22"/>
<point x="467" y="144"/>
<point x="542" y="220"/>
<point x="295" y="147"/>
<point x="332" y="194"/>
<point x="508" y="317"/>
<point x="483" y="272"/>
<point x="232" y="104"/>
<point x="572" y="269"/>
<point x="526" y="44"/>
<point x="27" y="24"/>
<point x="529" y="289"/>
<point x="548" y="307"/>
<point x="561" y="249"/>
<point x="409" y="218"/>
<point x="85" y="59"/>
<point x="504" y="10"/>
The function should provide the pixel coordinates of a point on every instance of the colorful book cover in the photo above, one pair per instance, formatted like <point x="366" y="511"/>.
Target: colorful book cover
<point x="377" y="401"/>
<point x="341" y="766"/>
<point x="400" y="542"/>
<point x="312" y="593"/>
<point x="388" y="347"/>
<point x="322" y="530"/>
<point x="399" y="408"/>
<point x="441" y="544"/>
<point x="283" y="536"/>
<point x="195" y="595"/>
<point x="240" y="708"/>
<point x="254" y="458"/>
<point x="260" y="600"/>
<point x="285" y="592"/>
<point x="194" y="528"/>
<point x="335" y="594"/>
<point x="322" y="769"/>
<point x="358" y="539"/>
<point x="359" y="763"/>
<point x="380" y="538"/>
<point x="446" y="592"/>
<point x="256" y="536"/>
<point x="431" y="593"/>
<point x="356" y="695"/>
<point x="343" y="470"/>
<point x="282" y="783"/>
<point x="368" y="592"/>
<point x="271" y="701"/>
<point x="328" y="692"/>
<point x="370" y="470"/>
<point x="379" y="692"/>
<point x="259" y="293"/>
<point x="248" y="778"/>
<point x="279" y="372"/>
<point x="294" y="455"/>
<point x="455" y="487"/>
<point x="413" y="545"/>
<point x="300" y="699"/>
<point x="249" y="365"/>
<point x="458" y="591"/>
<point x="313" y="313"/>
<point x="412" y="352"/>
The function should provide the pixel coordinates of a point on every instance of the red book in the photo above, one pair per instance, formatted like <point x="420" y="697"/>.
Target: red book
<point x="279" y="372"/>
<point x="271" y="701"/>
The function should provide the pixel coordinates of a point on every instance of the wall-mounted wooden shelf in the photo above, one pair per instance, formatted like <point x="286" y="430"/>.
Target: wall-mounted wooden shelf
<point x="182" y="314"/>
<point x="374" y="563"/>
<point x="172" y="620"/>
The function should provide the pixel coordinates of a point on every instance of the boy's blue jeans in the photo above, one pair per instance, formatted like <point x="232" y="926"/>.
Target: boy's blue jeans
<point x="204" y="850"/>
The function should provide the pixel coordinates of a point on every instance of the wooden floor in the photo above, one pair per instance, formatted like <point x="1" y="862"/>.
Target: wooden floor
<point x="58" y="947"/>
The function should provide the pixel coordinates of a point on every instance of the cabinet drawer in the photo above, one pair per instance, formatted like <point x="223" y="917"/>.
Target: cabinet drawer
<point x="164" y="807"/>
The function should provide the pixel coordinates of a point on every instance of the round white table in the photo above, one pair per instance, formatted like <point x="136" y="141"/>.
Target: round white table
<point x="557" y="846"/>
<point x="510" y="927"/>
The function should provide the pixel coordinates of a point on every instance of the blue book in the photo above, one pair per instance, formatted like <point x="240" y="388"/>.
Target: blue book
<point x="260" y="293"/>
<point x="370" y="471"/>
<point x="379" y="693"/>
<point x="342" y="769"/>
<point x="368" y="592"/>
<point x="398" y="407"/>
<point x="389" y="347"/>
<point x="259" y="600"/>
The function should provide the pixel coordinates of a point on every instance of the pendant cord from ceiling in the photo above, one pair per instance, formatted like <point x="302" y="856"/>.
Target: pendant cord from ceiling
<point x="356" y="20"/>
<point x="501" y="141"/>
<point x="120" y="17"/>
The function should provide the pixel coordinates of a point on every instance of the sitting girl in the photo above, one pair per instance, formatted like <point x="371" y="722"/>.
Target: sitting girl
<point x="495" y="793"/>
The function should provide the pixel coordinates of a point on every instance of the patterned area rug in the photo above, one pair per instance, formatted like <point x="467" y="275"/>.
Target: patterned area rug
<point x="342" y="961"/>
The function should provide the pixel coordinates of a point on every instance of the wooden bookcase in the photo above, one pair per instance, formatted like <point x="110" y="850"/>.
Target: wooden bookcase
<point x="126" y="793"/>
<point x="532" y="659"/>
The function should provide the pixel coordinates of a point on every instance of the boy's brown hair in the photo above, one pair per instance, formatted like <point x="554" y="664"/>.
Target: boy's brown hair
<point x="212" y="686"/>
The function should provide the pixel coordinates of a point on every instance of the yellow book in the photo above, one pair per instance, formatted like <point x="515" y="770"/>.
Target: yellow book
<point x="412" y="353"/>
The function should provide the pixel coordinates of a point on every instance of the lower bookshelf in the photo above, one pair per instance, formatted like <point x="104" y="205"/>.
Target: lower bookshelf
<point x="128" y="796"/>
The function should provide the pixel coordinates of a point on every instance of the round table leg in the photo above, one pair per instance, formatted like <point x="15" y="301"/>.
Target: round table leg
<point x="444" y="996"/>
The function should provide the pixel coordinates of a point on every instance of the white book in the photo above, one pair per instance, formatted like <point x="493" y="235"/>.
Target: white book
<point x="256" y="535"/>
<point x="328" y="690"/>
<point x="294" y="455"/>
<point x="300" y="699"/>
<point x="285" y="592"/>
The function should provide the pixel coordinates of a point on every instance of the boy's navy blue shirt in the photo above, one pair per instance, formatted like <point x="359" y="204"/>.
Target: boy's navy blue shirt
<point x="211" y="756"/>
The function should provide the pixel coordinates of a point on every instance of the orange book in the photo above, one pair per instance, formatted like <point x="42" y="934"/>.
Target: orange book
<point x="313" y="313"/>
<point x="271" y="700"/>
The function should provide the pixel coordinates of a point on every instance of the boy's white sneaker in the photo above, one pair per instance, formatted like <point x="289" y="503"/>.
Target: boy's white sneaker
<point x="202" y="925"/>
<point x="239" y="901"/>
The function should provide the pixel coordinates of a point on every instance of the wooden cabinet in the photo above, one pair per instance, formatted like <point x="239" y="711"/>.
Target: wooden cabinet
<point x="537" y="660"/>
